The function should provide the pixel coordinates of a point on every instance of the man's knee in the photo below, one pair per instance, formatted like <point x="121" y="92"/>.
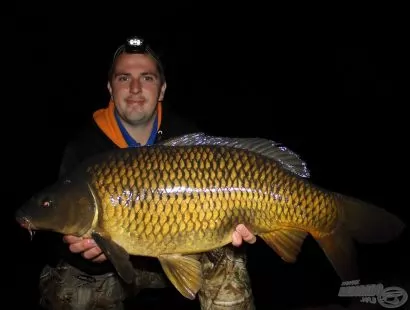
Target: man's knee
<point x="226" y="281"/>
<point x="65" y="287"/>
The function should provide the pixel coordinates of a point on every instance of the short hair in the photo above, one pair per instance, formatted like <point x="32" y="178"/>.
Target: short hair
<point x="137" y="45"/>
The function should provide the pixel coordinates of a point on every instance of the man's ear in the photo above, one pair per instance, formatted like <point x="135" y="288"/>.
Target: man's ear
<point x="162" y="92"/>
<point x="109" y="88"/>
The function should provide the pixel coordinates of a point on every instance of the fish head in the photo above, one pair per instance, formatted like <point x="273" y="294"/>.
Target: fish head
<point x="66" y="207"/>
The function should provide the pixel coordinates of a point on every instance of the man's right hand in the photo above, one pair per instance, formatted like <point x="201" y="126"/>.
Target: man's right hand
<point x="86" y="246"/>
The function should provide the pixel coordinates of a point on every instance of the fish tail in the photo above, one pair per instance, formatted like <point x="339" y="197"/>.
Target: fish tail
<point x="341" y="252"/>
<point x="360" y="221"/>
<point x="367" y="223"/>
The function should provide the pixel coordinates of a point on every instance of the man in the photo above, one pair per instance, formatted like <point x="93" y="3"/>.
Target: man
<point x="135" y="116"/>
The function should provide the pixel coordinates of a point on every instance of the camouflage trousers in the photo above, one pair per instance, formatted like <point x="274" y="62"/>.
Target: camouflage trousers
<point x="68" y="288"/>
<point x="226" y="285"/>
<point x="226" y="281"/>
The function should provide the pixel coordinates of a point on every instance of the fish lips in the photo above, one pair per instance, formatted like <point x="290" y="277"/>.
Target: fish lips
<point x="25" y="222"/>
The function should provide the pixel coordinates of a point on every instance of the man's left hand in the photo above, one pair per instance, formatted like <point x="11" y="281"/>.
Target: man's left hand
<point x="242" y="234"/>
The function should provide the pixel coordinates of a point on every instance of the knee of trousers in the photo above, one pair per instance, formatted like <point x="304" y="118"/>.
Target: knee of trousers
<point x="65" y="287"/>
<point x="226" y="281"/>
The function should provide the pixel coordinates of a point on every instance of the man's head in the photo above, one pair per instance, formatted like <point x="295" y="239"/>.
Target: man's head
<point x="136" y="82"/>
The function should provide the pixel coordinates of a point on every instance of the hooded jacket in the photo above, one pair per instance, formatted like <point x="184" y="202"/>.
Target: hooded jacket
<point x="104" y="133"/>
<point x="101" y="134"/>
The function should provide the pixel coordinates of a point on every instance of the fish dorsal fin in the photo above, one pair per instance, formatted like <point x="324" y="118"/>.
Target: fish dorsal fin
<point x="271" y="149"/>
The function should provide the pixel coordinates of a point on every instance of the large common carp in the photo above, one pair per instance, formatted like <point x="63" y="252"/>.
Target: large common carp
<point x="186" y="196"/>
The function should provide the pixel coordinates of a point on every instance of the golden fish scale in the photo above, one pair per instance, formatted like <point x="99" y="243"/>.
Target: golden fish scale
<point x="144" y="202"/>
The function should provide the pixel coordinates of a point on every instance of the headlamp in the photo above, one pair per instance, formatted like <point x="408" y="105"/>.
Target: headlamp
<point x="135" y="45"/>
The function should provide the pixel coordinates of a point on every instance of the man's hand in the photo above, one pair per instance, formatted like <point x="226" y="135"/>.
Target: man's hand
<point x="87" y="248"/>
<point x="242" y="234"/>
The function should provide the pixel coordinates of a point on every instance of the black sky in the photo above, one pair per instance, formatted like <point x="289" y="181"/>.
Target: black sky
<point x="336" y="104"/>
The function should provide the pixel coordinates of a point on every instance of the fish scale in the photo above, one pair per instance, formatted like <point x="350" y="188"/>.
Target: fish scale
<point x="239" y="182"/>
<point x="188" y="194"/>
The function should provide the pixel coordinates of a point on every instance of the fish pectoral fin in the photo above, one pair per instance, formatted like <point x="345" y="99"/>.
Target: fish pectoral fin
<point x="286" y="242"/>
<point x="184" y="272"/>
<point x="117" y="256"/>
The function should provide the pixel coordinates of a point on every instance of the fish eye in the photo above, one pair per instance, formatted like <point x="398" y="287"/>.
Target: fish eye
<point x="47" y="203"/>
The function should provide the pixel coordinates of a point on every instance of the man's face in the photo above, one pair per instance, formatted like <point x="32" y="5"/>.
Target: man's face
<point x="136" y="88"/>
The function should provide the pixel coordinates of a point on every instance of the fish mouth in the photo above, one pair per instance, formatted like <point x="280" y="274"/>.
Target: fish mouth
<point x="26" y="224"/>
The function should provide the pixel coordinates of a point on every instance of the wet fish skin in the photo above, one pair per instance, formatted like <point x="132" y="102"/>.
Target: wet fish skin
<point x="187" y="195"/>
<point x="188" y="200"/>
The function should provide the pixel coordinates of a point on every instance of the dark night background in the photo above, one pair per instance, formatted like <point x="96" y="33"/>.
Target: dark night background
<point x="337" y="104"/>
